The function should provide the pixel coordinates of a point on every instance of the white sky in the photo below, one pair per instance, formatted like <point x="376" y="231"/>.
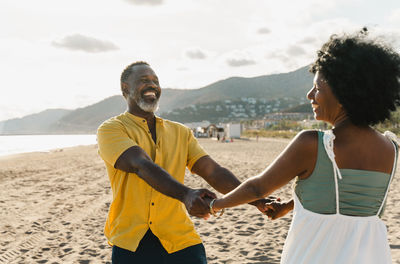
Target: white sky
<point x="70" y="53"/>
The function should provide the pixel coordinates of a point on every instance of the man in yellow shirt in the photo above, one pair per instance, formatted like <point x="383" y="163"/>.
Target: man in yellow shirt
<point x="146" y="157"/>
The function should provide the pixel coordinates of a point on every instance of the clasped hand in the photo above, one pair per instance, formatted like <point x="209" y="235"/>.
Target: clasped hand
<point x="197" y="203"/>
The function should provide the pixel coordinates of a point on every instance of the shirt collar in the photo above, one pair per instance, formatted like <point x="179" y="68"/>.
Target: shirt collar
<point x="141" y="120"/>
<point x="159" y="120"/>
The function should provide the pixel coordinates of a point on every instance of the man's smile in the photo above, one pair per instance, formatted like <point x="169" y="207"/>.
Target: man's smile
<point x="150" y="93"/>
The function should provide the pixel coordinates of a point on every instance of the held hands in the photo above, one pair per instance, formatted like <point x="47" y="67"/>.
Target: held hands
<point x="277" y="209"/>
<point x="197" y="202"/>
<point x="264" y="205"/>
<point x="261" y="204"/>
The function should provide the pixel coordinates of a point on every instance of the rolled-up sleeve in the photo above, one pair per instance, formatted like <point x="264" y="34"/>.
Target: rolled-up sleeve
<point x="195" y="151"/>
<point x="113" y="140"/>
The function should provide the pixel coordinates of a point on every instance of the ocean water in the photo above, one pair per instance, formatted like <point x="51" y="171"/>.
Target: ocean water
<point x="31" y="143"/>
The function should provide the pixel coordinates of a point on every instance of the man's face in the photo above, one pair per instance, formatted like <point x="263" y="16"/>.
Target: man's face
<point x="144" y="88"/>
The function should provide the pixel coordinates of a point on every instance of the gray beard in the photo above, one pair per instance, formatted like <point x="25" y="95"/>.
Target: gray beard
<point x="147" y="107"/>
<point x="151" y="108"/>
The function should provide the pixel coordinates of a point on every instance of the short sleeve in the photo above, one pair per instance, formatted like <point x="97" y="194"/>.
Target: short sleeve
<point x="113" y="140"/>
<point x="195" y="151"/>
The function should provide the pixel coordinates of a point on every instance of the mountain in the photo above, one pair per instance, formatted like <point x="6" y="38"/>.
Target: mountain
<point x="232" y="99"/>
<point x="33" y="124"/>
<point x="87" y="119"/>
<point x="231" y="110"/>
<point x="293" y="84"/>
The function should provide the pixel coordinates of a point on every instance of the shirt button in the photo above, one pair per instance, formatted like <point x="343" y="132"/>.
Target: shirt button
<point x="151" y="222"/>
<point x="152" y="203"/>
<point x="144" y="120"/>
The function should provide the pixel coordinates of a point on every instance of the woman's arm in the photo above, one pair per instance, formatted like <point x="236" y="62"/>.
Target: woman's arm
<point x="298" y="159"/>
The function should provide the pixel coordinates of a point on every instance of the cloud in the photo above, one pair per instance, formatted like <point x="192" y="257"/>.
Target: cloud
<point x="277" y="55"/>
<point x="263" y="30"/>
<point x="145" y="2"/>
<point x="84" y="43"/>
<point x="239" y="58"/>
<point x="195" y="53"/>
<point x="295" y="51"/>
<point x="308" y="40"/>
<point x="235" y="62"/>
<point x="288" y="59"/>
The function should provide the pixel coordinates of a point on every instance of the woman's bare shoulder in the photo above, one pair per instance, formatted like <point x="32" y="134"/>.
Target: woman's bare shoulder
<point x="300" y="156"/>
<point x="307" y="138"/>
<point x="304" y="144"/>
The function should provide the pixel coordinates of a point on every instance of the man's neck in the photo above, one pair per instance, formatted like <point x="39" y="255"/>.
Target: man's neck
<point x="150" y="118"/>
<point x="135" y="110"/>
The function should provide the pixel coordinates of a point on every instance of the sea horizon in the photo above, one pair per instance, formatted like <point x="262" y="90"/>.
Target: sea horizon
<point x="16" y="144"/>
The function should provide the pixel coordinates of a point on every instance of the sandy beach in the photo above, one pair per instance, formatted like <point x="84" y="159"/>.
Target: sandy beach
<point x="53" y="207"/>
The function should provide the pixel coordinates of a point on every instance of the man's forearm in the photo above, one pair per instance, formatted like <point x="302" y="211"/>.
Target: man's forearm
<point x="135" y="160"/>
<point x="161" y="180"/>
<point x="223" y="180"/>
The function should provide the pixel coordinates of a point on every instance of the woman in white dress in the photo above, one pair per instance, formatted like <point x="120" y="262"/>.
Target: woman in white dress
<point x="342" y="175"/>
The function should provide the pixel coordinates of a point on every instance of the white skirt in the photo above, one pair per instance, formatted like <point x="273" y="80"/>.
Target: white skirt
<point x="320" y="238"/>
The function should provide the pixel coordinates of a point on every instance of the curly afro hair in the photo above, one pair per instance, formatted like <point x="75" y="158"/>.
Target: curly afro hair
<point x="364" y="75"/>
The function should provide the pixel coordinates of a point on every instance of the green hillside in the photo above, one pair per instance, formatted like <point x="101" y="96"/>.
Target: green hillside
<point x="293" y="84"/>
<point x="230" y="110"/>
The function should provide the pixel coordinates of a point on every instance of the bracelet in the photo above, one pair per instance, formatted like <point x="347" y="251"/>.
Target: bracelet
<point x="212" y="210"/>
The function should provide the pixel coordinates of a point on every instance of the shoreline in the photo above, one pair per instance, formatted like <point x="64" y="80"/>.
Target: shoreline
<point x="19" y="144"/>
<point x="61" y="149"/>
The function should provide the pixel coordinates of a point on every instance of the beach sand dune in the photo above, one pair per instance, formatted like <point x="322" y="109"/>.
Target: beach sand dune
<point x="53" y="206"/>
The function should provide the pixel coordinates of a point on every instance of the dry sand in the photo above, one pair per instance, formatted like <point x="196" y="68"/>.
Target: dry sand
<point x="53" y="206"/>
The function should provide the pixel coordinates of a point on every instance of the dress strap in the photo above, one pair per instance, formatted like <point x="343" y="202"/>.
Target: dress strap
<point x="393" y="138"/>
<point x="328" y="139"/>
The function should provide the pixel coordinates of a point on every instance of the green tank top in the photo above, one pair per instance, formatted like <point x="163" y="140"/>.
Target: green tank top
<point x="361" y="192"/>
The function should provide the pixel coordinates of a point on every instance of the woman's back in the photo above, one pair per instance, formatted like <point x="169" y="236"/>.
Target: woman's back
<point x="336" y="207"/>
<point x="363" y="149"/>
<point x="361" y="190"/>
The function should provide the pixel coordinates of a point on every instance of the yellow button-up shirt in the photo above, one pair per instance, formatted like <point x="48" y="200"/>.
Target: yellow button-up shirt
<point x="136" y="206"/>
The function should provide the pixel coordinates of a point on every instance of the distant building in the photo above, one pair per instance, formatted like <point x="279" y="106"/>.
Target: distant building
<point x="216" y="131"/>
<point x="233" y="130"/>
<point x="195" y="125"/>
<point x="207" y="130"/>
